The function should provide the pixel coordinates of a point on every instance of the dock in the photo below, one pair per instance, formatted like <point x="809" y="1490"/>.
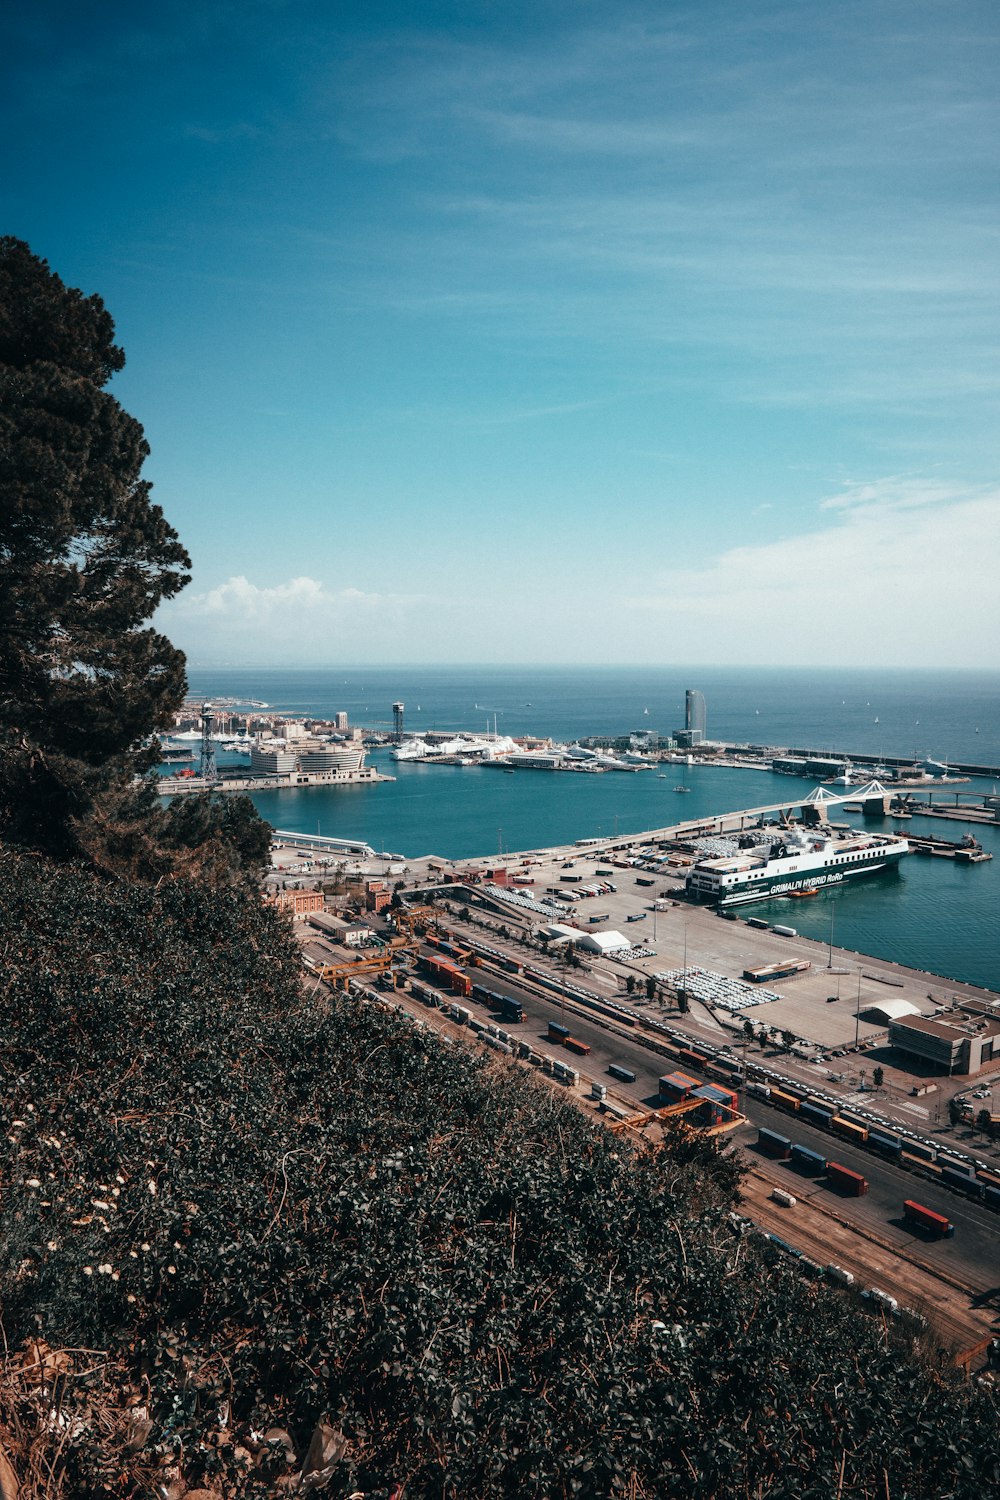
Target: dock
<point x="180" y="786"/>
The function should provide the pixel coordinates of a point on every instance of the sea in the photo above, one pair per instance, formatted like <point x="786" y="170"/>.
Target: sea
<point x="933" y="914"/>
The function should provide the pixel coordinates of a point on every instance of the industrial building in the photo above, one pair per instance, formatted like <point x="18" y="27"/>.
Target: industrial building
<point x="957" y="1046"/>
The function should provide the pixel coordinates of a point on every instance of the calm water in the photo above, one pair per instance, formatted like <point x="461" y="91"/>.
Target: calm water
<point x="934" y="915"/>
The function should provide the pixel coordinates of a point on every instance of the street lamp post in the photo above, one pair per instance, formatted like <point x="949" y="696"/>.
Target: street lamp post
<point x="857" y="1014"/>
<point x="829" y="961"/>
<point x="685" y="960"/>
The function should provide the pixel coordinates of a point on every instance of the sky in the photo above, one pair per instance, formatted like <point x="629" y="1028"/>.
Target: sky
<point x="562" y="332"/>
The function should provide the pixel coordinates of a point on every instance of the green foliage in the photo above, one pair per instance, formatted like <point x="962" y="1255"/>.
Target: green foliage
<point x="297" y="1207"/>
<point x="85" y="558"/>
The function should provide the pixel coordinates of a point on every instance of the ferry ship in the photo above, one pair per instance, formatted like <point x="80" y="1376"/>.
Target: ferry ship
<point x="797" y="861"/>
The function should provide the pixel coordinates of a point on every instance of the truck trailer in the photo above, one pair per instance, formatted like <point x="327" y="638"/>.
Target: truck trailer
<point x="926" y="1218"/>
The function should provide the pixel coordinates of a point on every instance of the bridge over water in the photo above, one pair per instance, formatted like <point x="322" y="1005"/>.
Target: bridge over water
<point x="874" y="798"/>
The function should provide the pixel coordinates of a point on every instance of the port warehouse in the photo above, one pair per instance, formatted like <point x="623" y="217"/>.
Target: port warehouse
<point x="902" y="1147"/>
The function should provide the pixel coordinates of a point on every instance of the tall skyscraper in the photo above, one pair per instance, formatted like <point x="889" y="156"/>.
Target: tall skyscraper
<point x="694" y="715"/>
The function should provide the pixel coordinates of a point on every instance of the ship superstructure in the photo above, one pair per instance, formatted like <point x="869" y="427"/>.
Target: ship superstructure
<point x="797" y="860"/>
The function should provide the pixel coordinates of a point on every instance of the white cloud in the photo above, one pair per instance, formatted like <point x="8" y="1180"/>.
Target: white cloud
<point x="903" y="572"/>
<point x="239" y="599"/>
<point x="299" y="620"/>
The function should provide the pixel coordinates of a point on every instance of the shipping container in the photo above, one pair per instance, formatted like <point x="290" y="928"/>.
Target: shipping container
<point x="717" y="1093"/>
<point x="785" y="1199"/>
<point x="731" y="1064"/>
<point x="849" y="1130"/>
<point x="846" y="1180"/>
<point x="557" y="1032"/>
<point x="692" y="1058"/>
<point x="956" y="1164"/>
<point x="510" y="1009"/>
<point x="573" y="1044"/>
<point x="885" y="1145"/>
<point x="718" y="1069"/>
<point x="818" y="1114"/>
<point x="991" y="1196"/>
<point x="838" y="1274"/>
<point x="809" y="1162"/>
<point x="445" y="973"/>
<point x="927" y="1218"/>
<point x="783" y="931"/>
<point x="922" y="1150"/>
<point x="624" y="1075"/>
<point x="784" y="1099"/>
<point x="757" y="922"/>
<point x="676" y="1086"/>
<point x="773" y="1144"/>
<point x="963" y="1182"/>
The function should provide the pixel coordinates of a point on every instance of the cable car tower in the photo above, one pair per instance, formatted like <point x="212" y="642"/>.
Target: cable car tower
<point x="209" y="769"/>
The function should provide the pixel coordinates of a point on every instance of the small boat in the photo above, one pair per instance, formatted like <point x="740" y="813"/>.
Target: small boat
<point x="811" y="891"/>
<point x="682" y="788"/>
<point x="662" y="776"/>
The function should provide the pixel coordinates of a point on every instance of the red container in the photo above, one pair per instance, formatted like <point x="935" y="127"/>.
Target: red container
<point x="847" y="1181"/>
<point x="926" y="1218"/>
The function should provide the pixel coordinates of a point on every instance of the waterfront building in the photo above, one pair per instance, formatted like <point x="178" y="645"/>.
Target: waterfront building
<point x="955" y="1046"/>
<point x="694" y="715"/>
<point x="693" y="732"/>
<point x="340" y="722"/>
<point x="332" y="758"/>
<point x="272" y="762"/>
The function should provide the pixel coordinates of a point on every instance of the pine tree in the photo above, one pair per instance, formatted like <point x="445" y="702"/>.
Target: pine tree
<point x="85" y="558"/>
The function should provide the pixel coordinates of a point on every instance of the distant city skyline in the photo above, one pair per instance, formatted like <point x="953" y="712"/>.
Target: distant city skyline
<point x="542" y="333"/>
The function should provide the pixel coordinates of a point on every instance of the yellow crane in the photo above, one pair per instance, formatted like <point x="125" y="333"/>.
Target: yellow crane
<point x="338" y="974"/>
<point x="638" y="1122"/>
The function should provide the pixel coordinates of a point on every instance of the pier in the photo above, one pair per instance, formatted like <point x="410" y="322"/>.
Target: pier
<point x="874" y="799"/>
<point x="179" y="786"/>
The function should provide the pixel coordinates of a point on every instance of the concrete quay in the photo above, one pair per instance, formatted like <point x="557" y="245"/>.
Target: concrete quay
<point x="179" y="786"/>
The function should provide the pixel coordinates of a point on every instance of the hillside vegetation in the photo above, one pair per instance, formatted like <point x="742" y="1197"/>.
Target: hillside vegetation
<point x="241" y="1220"/>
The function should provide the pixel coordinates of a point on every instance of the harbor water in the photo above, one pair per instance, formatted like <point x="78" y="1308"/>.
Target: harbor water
<point x="934" y="914"/>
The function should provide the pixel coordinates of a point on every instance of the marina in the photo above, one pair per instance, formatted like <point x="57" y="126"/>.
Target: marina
<point x="936" y="915"/>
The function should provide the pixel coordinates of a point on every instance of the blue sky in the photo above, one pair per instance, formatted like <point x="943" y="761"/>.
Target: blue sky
<point x="561" y="332"/>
